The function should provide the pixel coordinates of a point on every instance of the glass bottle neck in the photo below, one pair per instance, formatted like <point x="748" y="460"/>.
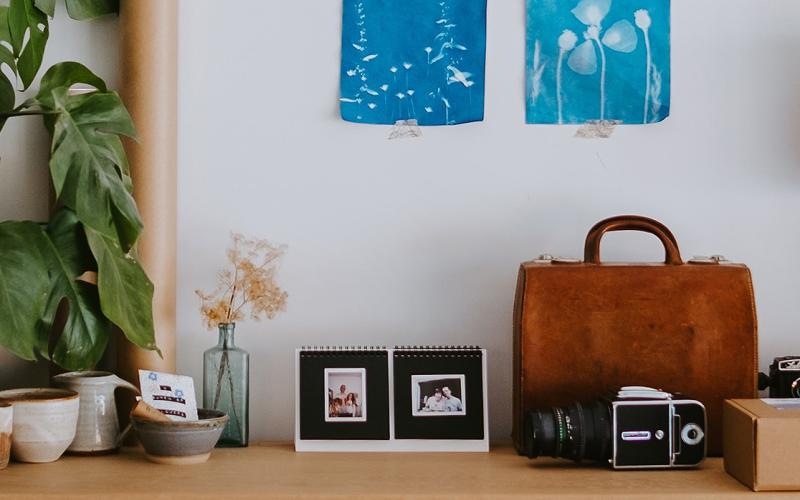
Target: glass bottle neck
<point x="226" y="340"/>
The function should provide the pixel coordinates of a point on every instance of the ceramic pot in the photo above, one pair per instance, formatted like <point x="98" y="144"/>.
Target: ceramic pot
<point x="98" y="427"/>
<point x="181" y="442"/>
<point x="6" y="414"/>
<point x="45" y="421"/>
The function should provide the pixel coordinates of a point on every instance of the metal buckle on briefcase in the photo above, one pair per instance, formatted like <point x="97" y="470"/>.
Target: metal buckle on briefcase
<point x="546" y="258"/>
<point x="713" y="260"/>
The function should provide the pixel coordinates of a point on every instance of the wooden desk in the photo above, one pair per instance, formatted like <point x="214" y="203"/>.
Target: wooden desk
<point x="276" y="471"/>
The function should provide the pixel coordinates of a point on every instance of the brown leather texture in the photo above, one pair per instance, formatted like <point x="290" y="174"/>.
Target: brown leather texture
<point x="582" y="329"/>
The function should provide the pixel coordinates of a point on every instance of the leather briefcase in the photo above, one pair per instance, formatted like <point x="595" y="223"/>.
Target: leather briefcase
<point x="583" y="328"/>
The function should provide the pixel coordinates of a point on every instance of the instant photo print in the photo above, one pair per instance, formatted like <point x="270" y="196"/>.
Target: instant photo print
<point x="438" y="395"/>
<point x="407" y="398"/>
<point x="346" y="395"/>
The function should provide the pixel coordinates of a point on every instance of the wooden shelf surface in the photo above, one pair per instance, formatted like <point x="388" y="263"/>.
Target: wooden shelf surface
<point x="276" y="471"/>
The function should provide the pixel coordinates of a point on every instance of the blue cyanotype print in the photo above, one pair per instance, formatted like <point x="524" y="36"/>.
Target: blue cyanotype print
<point x="413" y="59"/>
<point x="598" y="60"/>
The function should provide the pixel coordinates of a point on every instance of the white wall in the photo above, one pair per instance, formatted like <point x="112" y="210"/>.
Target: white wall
<point x="418" y="241"/>
<point x="25" y="146"/>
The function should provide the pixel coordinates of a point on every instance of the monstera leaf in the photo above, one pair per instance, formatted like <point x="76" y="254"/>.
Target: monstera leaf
<point x="41" y="270"/>
<point x="6" y="96"/>
<point x="38" y="271"/>
<point x="65" y="75"/>
<point x="29" y="31"/>
<point x="90" y="9"/>
<point x="88" y="163"/>
<point x="126" y="294"/>
<point x="85" y="335"/>
<point x="46" y="6"/>
<point x="80" y="9"/>
<point x="24" y="287"/>
<point x="7" y="58"/>
<point x="7" y="92"/>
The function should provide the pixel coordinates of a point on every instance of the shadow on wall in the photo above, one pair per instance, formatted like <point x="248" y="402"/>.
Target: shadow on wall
<point x="16" y="373"/>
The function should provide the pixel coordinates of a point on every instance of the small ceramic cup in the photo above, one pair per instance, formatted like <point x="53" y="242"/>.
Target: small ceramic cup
<point x="6" y="418"/>
<point x="45" y="421"/>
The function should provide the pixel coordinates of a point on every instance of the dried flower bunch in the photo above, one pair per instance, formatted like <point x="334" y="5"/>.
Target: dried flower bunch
<point x="249" y="282"/>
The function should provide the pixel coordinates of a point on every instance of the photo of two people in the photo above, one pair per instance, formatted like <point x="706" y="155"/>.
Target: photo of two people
<point x="345" y="395"/>
<point x="438" y="395"/>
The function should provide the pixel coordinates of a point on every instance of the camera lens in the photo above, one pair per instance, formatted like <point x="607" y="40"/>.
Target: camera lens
<point x="577" y="431"/>
<point x="796" y="388"/>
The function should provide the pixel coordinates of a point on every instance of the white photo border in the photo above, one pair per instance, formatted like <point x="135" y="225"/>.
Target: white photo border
<point x="415" y="381"/>
<point x="362" y="372"/>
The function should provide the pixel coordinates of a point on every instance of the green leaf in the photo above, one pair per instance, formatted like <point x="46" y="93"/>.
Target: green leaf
<point x="24" y="288"/>
<point x="46" y="6"/>
<point x="88" y="157"/>
<point x="6" y="57"/>
<point x="90" y="9"/>
<point x="38" y="271"/>
<point x="5" y="31"/>
<point x="24" y="18"/>
<point x="7" y="96"/>
<point x="7" y="92"/>
<point x="126" y="293"/>
<point x="67" y="74"/>
<point x="80" y="10"/>
<point x="86" y="332"/>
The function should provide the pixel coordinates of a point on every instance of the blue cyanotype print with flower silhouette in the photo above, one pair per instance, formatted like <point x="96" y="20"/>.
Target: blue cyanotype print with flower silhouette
<point x="413" y="59"/>
<point x="598" y="60"/>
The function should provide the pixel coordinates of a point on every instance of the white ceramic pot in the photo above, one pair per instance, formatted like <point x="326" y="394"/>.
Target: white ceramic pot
<point x="6" y="418"/>
<point x="45" y="421"/>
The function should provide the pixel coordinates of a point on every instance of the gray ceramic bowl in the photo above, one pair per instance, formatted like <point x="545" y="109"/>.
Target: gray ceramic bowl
<point x="181" y="442"/>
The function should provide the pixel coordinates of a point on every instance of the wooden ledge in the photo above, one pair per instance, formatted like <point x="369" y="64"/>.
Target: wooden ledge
<point x="276" y="471"/>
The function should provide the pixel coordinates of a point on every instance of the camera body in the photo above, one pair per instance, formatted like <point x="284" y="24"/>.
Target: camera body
<point x="654" y="429"/>
<point x="635" y="428"/>
<point x="784" y="377"/>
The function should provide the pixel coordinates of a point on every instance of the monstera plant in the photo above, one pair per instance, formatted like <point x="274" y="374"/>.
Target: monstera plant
<point x="65" y="285"/>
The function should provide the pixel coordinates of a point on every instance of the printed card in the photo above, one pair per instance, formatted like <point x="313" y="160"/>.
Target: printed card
<point x="173" y="395"/>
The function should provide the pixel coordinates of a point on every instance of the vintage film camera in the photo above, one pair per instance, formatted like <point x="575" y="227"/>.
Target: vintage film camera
<point x="784" y="378"/>
<point x="639" y="427"/>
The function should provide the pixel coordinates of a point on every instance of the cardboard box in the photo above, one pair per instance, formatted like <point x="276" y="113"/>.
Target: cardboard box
<point x="761" y="441"/>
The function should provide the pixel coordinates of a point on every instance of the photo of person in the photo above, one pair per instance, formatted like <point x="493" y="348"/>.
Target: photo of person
<point x="437" y="395"/>
<point x="346" y="395"/>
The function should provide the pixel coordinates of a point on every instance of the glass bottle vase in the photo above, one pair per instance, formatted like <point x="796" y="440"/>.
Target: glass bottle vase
<point x="226" y="385"/>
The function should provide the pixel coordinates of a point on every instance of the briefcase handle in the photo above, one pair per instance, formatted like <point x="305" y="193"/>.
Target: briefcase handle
<point x="591" y="253"/>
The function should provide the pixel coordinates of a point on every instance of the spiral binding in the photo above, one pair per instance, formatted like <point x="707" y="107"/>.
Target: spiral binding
<point x="437" y="351"/>
<point x="327" y="350"/>
<point x="405" y="351"/>
<point x="437" y="348"/>
<point x="341" y="348"/>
